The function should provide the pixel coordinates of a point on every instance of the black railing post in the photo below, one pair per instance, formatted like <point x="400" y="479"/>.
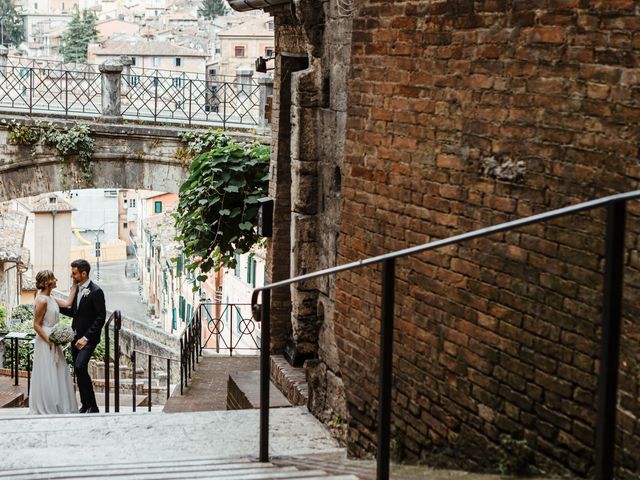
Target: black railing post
<point x="168" y="378"/>
<point x="181" y="369"/>
<point x="30" y="73"/>
<point x="610" y="346"/>
<point x="149" y="385"/>
<point x="230" y="307"/>
<point x="386" y="369"/>
<point x="133" y="379"/>
<point x="224" y="107"/>
<point x="190" y="99"/>
<point x="116" y="361"/>
<point x="107" y="367"/>
<point x="265" y="371"/>
<point x="66" y="93"/>
<point x="16" y="362"/>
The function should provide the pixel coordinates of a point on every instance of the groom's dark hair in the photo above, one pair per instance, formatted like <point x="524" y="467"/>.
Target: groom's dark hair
<point x="81" y="265"/>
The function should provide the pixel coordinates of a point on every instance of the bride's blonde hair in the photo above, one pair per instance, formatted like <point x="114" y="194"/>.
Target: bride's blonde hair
<point x="43" y="277"/>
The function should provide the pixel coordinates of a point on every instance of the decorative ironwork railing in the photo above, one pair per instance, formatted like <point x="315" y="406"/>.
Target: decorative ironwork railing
<point x="226" y="101"/>
<point x="229" y="327"/>
<point x="50" y="91"/>
<point x="148" y="96"/>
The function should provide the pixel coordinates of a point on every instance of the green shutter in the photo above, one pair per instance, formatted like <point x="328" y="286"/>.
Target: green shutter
<point x="157" y="207"/>
<point x="181" y="306"/>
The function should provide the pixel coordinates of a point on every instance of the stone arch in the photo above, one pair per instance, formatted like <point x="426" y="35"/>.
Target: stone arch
<point x="125" y="156"/>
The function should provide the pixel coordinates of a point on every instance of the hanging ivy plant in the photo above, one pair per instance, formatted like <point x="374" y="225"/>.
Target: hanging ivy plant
<point x="218" y="205"/>
<point x="75" y="140"/>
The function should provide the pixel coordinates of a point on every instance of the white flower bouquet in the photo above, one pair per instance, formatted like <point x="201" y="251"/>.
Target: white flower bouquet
<point x="61" y="334"/>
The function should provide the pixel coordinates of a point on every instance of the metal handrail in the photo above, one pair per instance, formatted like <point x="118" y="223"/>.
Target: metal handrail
<point x="213" y="326"/>
<point x="15" y="355"/>
<point x="117" y="325"/>
<point x="612" y="312"/>
<point x="190" y="348"/>
<point x="134" y="356"/>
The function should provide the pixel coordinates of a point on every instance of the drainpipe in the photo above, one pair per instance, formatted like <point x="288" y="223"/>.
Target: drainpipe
<point x="53" y="241"/>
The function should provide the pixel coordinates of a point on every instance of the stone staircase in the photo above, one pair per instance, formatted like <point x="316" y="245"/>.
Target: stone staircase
<point x="240" y="468"/>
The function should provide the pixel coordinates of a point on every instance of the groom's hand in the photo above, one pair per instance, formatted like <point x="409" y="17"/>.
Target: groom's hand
<point x="81" y="343"/>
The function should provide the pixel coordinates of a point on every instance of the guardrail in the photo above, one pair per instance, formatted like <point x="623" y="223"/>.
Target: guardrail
<point x="117" y="92"/>
<point x="616" y="206"/>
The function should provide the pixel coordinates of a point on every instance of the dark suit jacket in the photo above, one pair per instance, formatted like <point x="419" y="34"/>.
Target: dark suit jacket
<point x="89" y="316"/>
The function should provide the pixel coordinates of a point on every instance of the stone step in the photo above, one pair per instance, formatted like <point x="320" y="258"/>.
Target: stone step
<point x="166" y="470"/>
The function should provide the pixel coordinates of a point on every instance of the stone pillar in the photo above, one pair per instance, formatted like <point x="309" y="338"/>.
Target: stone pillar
<point x="266" y="92"/>
<point x="111" y="71"/>
<point x="126" y="61"/>
<point x="4" y="52"/>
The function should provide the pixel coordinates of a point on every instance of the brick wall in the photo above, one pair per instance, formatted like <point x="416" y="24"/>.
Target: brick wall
<point x="463" y="114"/>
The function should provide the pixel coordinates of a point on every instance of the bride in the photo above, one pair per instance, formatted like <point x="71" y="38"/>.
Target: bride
<point x="51" y="386"/>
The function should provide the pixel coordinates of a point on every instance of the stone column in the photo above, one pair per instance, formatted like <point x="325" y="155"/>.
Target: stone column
<point x="111" y="71"/>
<point x="264" y="115"/>
<point x="4" y="52"/>
<point x="126" y="61"/>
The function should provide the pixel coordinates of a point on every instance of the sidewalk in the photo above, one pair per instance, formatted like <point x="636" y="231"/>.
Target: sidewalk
<point x="207" y="388"/>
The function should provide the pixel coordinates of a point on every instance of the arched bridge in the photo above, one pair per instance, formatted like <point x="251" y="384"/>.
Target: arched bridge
<point x="124" y="156"/>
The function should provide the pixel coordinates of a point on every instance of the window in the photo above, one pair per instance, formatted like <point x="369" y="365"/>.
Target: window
<point x="134" y="80"/>
<point x="181" y="307"/>
<point x="251" y="271"/>
<point x="125" y="225"/>
<point x="156" y="61"/>
<point x="236" y="270"/>
<point x="132" y="203"/>
<point x="270" y="26"/>
<point x="239" y="51"/>
<point x="174" y="319"/>
<point x="178" y="62"/>
<point x="35" y="6"/>
<point x="53" y="200"/>
<point x="157" y="207"/>
<point x="133" y="61"/>
<point x="177" y="82"/>
<point x="269" y="52"/>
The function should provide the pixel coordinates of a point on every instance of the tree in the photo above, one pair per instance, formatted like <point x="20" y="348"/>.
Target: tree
<point x="75" y="40"/>
<point x="11" y="25"/>
<point x="210" y="9"/>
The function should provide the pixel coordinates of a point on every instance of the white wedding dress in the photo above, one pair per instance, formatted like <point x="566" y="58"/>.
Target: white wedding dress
<point x="51" y="385"/>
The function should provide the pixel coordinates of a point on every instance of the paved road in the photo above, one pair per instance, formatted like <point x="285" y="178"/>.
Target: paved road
<point x="121" y="293"/>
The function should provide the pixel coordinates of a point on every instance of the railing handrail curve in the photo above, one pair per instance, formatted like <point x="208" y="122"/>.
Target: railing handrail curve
<point x="481" y="232"/>
<point x="611" y="324"/>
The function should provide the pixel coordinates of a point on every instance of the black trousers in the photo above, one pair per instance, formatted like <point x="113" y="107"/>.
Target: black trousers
<point x="81" y="366"/>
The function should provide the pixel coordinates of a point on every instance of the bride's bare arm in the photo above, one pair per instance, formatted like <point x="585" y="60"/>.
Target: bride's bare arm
<point x="39" y="311"/>
<point x="69" y="300"/>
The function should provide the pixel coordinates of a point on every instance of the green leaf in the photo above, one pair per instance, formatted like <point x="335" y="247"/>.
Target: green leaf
<point x="246" y="226"/>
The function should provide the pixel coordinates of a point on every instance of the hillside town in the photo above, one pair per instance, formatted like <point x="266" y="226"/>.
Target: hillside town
<point x="328" y="239"/>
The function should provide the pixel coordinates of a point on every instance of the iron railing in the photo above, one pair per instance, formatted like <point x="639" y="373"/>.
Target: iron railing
<point x="50" y="91"/>
<point x="225" y="102"/>
<point x="159" y="97"/>
<point x="229" y="327"/>
<point x="190" y="349"/>
<point x="150" y="357"/>
<point x="116" y="319"/>
<point x="14" y="339"/>
<point x="610" y="342"/>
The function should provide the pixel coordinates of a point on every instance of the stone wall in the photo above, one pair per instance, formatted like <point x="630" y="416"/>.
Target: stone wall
<point x="308" y="125"/>
<point x="125" y="156"/>
<point x="464" y="114"/>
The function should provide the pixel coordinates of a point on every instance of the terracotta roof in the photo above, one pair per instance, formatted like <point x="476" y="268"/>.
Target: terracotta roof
<point x="43" y="203"/>
<point x="146" y="48"/>
<point x="251" y="26"/>
<point x="12" y="225"/>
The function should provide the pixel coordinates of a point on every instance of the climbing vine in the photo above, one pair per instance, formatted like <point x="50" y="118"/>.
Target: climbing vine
<point x="74" y="140"/>
<point x="218" y="205"/>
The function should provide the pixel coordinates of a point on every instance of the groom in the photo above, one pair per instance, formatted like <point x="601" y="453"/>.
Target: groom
<point x="89" y="313"/>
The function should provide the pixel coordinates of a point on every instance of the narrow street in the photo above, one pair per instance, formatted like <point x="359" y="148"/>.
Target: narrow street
<point x="121" y="293"/>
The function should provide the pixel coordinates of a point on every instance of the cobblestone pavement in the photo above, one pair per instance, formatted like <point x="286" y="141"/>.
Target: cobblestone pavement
<point x="207" y="388"/>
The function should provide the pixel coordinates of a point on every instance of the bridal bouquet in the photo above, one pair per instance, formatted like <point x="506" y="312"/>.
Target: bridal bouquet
<point x="61" y="334"/>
